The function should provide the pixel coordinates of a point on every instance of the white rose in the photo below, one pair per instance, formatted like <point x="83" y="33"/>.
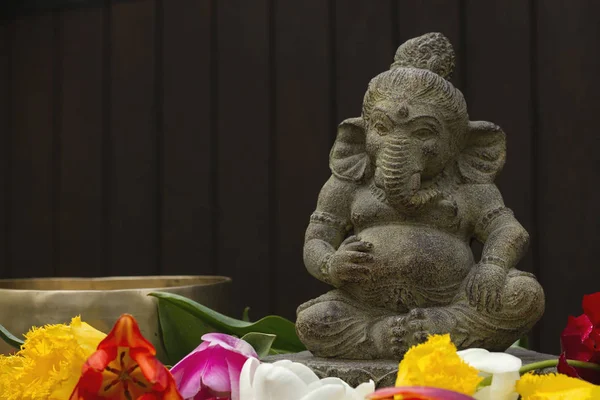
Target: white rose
<point x="504" y="369"/>
<point x="294" y="381"/>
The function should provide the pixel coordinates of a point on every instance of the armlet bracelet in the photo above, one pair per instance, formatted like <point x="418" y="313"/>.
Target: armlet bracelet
<point x="500" y="262"/>
<point x="329" y="219"/>
<point x="490" y="216"/>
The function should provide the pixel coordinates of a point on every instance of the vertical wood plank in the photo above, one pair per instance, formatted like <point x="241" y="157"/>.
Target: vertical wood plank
<point x="187" y="158"/>
<point x="304" y="124"/>
<point x="81" y="226"/>
<point x="5" y="148"/>
<point x="133" y="158"/>
<point x="364" y="49"/>
<point x="567" y="91"/>
<point x="32" y="178"/>
<point x="498" y="65"/>
<point x="417" y="17"/>
<point x="243" y="130"/>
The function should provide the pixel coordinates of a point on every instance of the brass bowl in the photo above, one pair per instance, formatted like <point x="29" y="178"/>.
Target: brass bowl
<point x="100" y="301"/>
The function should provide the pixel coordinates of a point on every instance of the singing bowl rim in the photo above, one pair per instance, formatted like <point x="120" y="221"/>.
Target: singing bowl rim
<point x="110" y="283"/>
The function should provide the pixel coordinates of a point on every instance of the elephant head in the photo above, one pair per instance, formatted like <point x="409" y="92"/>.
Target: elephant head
<point x="414" y="132"/>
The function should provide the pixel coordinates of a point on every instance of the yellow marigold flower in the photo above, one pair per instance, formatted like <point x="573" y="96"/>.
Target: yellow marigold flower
<point x="436" y="363"/>
<point x="555" y="387"/>
<point x="49" y="363"/>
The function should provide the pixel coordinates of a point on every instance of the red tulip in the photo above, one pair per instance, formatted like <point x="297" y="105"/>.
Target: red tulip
<point x="124" y="367"/>
<point x="580" y="340"/>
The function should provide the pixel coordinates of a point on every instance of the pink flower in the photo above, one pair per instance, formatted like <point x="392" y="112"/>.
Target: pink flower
<point x="212" y="370"/>
<point x="417" y="393"/>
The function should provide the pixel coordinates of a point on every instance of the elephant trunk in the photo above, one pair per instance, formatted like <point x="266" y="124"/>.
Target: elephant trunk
<point x="401" y="172"/>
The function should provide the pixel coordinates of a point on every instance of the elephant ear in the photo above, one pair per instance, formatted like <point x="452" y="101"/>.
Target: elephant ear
<point x="484" y="154"/>
<point x="348" y="159"/>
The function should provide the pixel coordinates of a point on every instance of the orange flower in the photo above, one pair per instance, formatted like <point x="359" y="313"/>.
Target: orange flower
<point x="124" y="367"/>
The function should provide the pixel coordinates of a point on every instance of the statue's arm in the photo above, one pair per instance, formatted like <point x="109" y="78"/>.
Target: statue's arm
<point x="328" y="227"/>
<point x="505" y="240"/>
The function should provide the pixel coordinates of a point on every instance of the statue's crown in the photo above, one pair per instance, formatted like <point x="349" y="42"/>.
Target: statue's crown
<point x="432" y="51"/>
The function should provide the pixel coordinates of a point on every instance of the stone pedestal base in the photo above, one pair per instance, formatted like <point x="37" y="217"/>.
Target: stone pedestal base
<point x="382" y="372"/>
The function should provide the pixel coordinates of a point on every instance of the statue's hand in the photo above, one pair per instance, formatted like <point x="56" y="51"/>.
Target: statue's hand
<point x="485" y="285"/>
<point x="351" y="262"/>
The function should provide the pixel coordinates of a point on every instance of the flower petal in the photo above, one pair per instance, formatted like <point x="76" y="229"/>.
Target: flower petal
<point x="216" y="374"/>
<point x="126" y="333"/>
<point x="418" y="393"/>
<point x="365" y="389"/>
<point x="491" y="362"/>
<point x="503" y="366"/>
<point x="151" y="368"/>
<point x="234" y="378"/>
<point x="503" y="386"/>
<point x="204" y="394"/>
<point x="89" y="382"/>
<point x="302" y="371"/>
<point x="472" y="352"/>
<point x="230" y="342"/>
<point x="277" y="383"/>
<point x="555" y="386"/>
<point x="329" y="392"/>
<point x="100" y="359"/>
<point x="87" y="336"/>
<point x="578" y="342"/>
<point x="591" y="307"/>
<point x="435" y="363"/>
<point x="334" y="381"/>
<point x="149" y="396"/>
<point x="188" y="373"/>
<point x="573" y="337"/>
<point x="564" y="368"/>
<point x="486" y="394"/>
<point x="235" y="363"/>
<point x="247" y="379"/>
<point x="473" y="355"/>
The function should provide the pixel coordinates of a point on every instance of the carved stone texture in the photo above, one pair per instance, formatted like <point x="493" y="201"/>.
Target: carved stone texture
<point x="382" y="372"/>
<point x="412" y="185"/>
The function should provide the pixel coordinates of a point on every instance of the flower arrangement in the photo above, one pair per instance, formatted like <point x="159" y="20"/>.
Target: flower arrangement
<point x="75" y="361"/>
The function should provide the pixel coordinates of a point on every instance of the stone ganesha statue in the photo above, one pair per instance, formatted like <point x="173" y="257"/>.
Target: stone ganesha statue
<point x="412" y="185"/>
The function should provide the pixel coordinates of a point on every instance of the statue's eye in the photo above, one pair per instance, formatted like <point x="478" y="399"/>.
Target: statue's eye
<point x="424" y="134"/>
<point x="381" y="128"/>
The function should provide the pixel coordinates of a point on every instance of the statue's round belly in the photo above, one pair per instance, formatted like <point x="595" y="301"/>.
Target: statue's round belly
<point x="415" y="266"/>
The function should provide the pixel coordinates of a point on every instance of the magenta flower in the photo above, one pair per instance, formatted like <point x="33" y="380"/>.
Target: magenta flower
<point x="212" y="370"/>
<point x="417" y="393"/>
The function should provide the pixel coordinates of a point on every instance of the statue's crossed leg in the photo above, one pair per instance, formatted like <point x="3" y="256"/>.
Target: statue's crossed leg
<point x="337" y="325"/>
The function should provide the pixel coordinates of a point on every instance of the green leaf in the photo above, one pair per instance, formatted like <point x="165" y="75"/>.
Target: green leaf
<point x="181" y="331"/>
<point x="287" y="340"/>
<point x="523" y="342"/>
<point x="277" y="351"/>
<point x="10" y="339"/>
<point x="261" y="342"/>
<point x="246" y="314"/>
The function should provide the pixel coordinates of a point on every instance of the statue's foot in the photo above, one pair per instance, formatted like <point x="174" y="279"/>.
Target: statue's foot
<point x="522" y="306"/>
<point x="416" y="326"/>
<point x="396" y="343"/>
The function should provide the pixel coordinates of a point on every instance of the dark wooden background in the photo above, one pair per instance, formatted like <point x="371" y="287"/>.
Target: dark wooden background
<point x="191" y="136"/>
